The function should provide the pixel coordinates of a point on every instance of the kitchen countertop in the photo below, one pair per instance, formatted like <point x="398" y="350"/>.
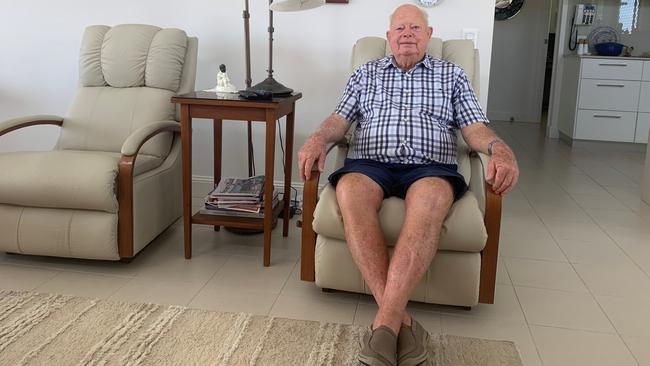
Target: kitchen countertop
<point x="611" y="57"/>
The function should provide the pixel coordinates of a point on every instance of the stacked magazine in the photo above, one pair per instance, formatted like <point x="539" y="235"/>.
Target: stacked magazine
<point x="243" y="197"/>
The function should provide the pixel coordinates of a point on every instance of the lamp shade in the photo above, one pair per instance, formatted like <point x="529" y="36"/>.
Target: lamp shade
<point x="295" y="5"/>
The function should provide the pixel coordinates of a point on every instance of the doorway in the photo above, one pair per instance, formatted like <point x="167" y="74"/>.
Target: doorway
<point x="522" y="60"/>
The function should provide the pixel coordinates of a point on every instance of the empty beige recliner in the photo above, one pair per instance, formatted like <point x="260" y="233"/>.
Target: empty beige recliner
<point x="112" y="183"/>
<point x="463" y="272"/>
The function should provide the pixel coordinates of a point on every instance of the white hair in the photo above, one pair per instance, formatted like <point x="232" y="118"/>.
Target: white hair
<point x="423" y="12"/>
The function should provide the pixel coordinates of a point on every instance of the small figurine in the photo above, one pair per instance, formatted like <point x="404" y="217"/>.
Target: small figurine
<point x="627" y="51"/>
<point x="223" y="81"/>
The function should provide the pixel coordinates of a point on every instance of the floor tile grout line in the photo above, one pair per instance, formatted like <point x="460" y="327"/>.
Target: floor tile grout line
<point x="208" y="280"/>
<point x="622" y="249"/>
<point x="572" y="266"/>
<point x="600" y="306"/>
<point x="356" y="309"/>
<point x="537" y="349"/>
<point x="282" y="288"/>
<point x="530" y="331"/>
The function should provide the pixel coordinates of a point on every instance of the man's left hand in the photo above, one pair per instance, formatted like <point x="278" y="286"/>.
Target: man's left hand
<point x="503" y="172"/>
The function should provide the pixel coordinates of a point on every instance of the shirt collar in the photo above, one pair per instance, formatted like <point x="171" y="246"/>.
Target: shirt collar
<point x="388" y="61"/>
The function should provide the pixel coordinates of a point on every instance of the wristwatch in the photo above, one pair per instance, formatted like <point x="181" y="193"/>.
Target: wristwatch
<point x="489" y="149"/>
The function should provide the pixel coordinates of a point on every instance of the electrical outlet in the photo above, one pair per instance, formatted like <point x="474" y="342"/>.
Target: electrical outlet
<point x="471" y="33"/>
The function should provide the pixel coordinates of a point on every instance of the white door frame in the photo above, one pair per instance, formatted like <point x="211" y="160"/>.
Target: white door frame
<point x="558" y="68"/>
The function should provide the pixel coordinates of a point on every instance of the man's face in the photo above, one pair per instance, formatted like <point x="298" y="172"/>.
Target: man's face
<point x="408" y="34"/>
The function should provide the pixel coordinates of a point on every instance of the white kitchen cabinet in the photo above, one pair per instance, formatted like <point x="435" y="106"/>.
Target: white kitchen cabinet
<point x="642" y="128"/>
<point x="615" y="95"/>
<point x="605" y="125"/>
<point x="644" y="99"/>
<point x="606" y="99"/>
<point x="616" y="69"/>
<point x="646" y="71"/>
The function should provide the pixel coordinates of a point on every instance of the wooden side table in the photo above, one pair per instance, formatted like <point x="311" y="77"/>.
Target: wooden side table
<point x="209" y="105"/>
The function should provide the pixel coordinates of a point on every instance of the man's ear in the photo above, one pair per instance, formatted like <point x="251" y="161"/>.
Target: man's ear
<point x="430" y="30"/>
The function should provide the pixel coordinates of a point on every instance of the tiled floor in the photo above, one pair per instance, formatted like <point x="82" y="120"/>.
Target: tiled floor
<point x="573" y="282"/>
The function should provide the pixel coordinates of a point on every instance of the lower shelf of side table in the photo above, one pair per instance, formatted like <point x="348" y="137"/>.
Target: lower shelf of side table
<point x="235" y="221"/>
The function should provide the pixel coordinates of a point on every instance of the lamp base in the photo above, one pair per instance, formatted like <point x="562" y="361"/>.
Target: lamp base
<point x="272" y="86"/>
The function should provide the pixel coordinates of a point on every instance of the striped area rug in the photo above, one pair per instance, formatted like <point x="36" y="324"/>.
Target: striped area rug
<point x="42" y="329"/>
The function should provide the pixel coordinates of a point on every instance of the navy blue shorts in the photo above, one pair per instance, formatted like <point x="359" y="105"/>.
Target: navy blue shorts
<point x="395" y="179"/>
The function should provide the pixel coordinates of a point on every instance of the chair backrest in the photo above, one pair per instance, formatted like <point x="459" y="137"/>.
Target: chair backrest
<point x="459" y="51"/>
<point x="127" y="76"/>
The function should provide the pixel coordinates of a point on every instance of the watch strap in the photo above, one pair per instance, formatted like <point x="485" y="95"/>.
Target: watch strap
<point x="491" y="144"/>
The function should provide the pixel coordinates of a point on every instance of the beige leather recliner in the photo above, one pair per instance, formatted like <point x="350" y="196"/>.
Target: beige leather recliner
<point x="463" y="272"/>
<point x="112" y="183"/>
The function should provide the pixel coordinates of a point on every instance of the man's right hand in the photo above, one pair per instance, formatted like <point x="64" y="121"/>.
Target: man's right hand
<point x="313" y="151"/>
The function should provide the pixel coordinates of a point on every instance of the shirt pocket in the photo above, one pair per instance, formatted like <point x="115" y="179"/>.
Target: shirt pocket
<point x="436" y="104"/>
<point x="372" y="99"/>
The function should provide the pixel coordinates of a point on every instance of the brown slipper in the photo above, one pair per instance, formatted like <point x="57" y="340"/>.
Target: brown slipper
<point x="378" y="347"/>
<point x="412" y="344"/>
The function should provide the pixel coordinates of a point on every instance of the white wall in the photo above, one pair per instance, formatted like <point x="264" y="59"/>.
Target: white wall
<point x="518" y="61"/>
<point x="39" y="45"/>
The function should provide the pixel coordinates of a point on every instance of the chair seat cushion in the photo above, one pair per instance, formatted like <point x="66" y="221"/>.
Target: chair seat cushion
<point x="64" y="178"/>
<point x="463" y="229"/>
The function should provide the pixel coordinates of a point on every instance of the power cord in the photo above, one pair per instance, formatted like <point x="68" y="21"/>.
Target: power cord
<point x="294" y="204"/>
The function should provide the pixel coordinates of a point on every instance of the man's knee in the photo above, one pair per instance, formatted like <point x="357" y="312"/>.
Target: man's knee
<point x="435" y="192"/>
<point x="358" y="190"/>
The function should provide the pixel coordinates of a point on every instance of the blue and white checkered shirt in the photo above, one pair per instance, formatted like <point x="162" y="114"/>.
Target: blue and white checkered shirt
<point x="409" y="117"/>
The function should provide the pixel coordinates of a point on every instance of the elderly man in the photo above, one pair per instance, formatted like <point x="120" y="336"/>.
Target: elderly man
<point x="408" y="107"/>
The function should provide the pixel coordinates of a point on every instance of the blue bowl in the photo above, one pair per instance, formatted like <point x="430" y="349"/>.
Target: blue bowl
<point x="609" y="48"/>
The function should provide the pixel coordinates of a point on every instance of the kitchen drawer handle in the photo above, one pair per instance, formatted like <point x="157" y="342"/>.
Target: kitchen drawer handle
<point x="612" y="85"/>
<point x="612" y="64"/>
<point x="605" y="116"/>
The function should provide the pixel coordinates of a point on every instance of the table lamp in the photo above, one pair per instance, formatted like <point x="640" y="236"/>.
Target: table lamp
<point x="270" y="84"/>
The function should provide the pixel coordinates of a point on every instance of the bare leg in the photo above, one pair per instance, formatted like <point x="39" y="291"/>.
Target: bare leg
<point x="360" y="198"/>
<point x="427" y="203"/>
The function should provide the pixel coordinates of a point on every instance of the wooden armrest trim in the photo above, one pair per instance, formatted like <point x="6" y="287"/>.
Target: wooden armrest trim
<point x="125" y="195"/>
<point x="490" y="254"/>
<point x="32" y="123"/>
<point x="310" y="198"/>
<point x="308" y="246"/>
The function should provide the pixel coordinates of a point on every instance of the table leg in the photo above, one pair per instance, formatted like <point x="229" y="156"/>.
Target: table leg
<point x="268" y="183"/>
<point x="186" y="141"/>
<point x="287" y="171"/>
<point x="249" y="141"/>
<point x="217" y="130"/>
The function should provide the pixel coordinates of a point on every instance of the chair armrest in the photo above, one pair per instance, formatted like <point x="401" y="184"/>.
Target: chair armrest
<point x="309" y="200"/>
<point x="479" y="164"/>
<point x="125" y="167"/>
<point x="138" y="137"/>
<point x="26" y="121"/>
<point x="490" y="204"/>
